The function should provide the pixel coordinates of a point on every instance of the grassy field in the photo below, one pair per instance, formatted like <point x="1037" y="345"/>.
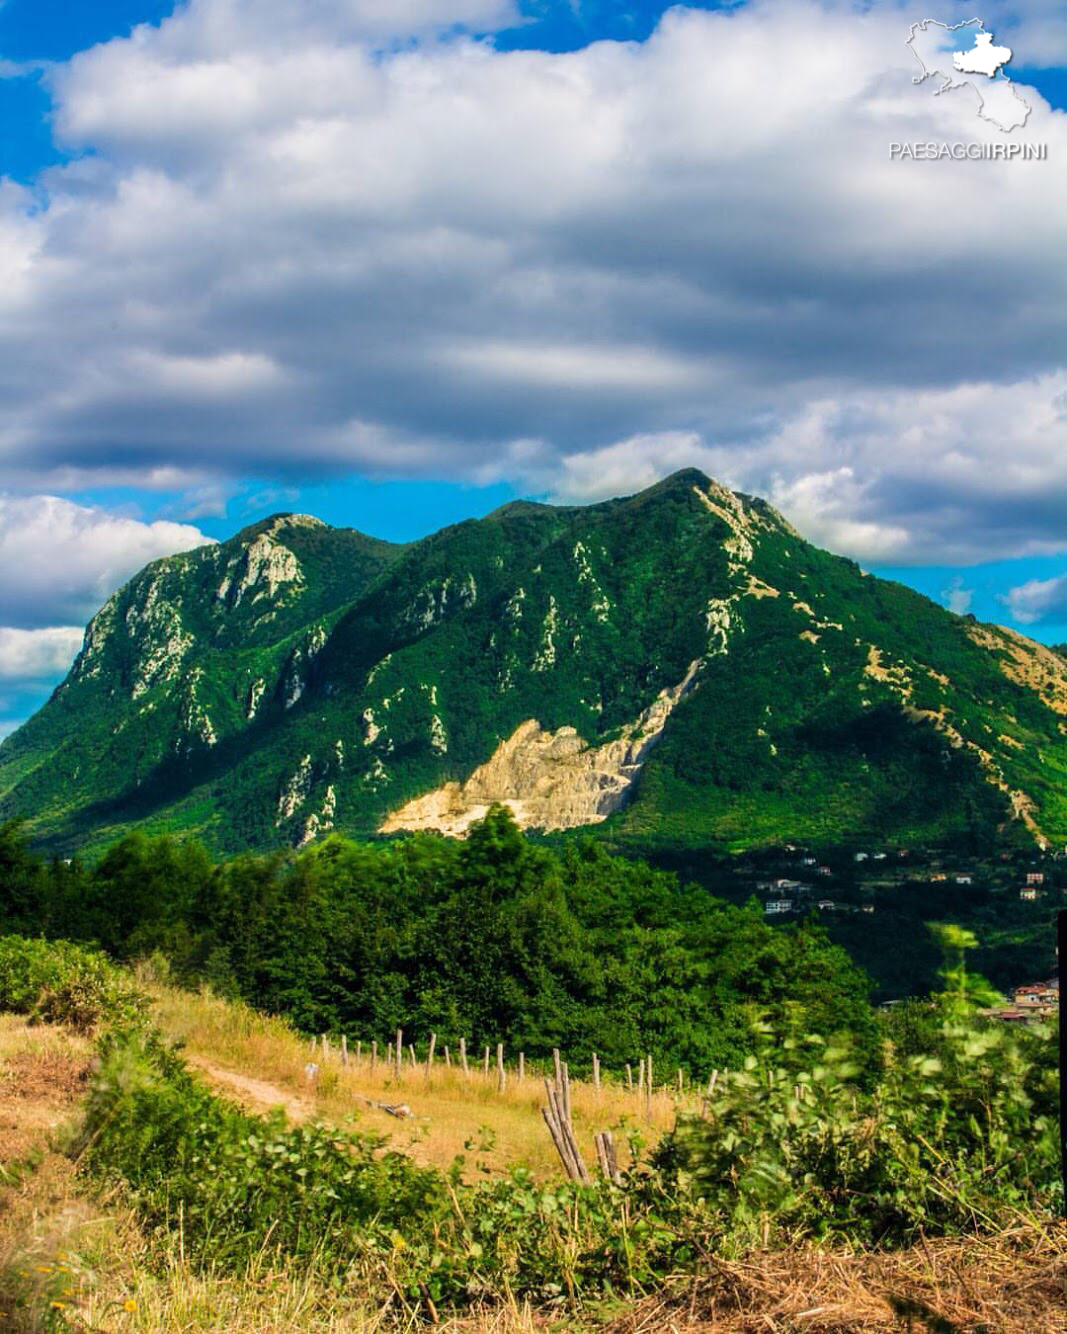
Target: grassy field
<point x="72" y="1257"/>
<point x="261" y="1063"/>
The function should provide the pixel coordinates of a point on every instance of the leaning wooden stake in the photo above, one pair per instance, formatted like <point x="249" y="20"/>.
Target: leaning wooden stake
<point x="630" y="1077"/>
<point x="429" y="1058"/>
<point x="606" y="1157"/>
<point x="562" y="1130"/>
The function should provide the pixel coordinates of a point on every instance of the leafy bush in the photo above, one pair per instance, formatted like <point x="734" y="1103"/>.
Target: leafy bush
<point x="241" y="1185"/>
<point x="948" y="1140"/>
<point x="56" y="982"/>
<point x="954" y="1137"/>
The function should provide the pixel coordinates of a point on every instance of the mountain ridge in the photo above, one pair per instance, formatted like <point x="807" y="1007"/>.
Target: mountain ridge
<point x="300" y="678"/>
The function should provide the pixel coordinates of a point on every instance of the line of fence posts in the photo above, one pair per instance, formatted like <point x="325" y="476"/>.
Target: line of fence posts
<point x="320" y="1047"/>
<point x="558" y="1115"/>
<point x="394" y="1059"/>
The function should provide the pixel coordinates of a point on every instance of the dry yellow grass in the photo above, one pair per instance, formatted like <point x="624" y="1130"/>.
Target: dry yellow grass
<point x="73" y="1259"/>
<point x="261" y="1062"/>
<point x="1011" y="1283"/>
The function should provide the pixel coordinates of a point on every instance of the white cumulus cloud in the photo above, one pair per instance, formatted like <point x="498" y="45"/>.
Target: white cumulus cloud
<point x="59" y="561"/>
<point x="1038" y="600"/>
<point x="36" y="655"/>
<point x="344" y="236"/>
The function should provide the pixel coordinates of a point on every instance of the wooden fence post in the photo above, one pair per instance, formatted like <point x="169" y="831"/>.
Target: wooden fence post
<point x="486" y="1062"/>
<point x="325" y="1048"/>
<point x="344" y="1051"/>
<point x="463" y="1057"/>
<point x="596" y="1072"/>
<point x="606" y="1157"/>
<point x="648" y="1083"/>
<point x="629" y="1077"/>
<point x="374" y="1054"/>
<point x="448" y="1059"/>
<point x="429" y="1058"/>
<point x="522" y="1066"/>
<point x="398" y="1052"/>
<point x="501" y="1073"/>
<point x="561" y="1128"/>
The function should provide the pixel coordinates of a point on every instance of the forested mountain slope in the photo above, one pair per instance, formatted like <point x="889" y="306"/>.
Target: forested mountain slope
<point x="681" y="663"/>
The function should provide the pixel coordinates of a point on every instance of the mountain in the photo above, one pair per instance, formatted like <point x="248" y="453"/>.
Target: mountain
<point x="681" y="664"/>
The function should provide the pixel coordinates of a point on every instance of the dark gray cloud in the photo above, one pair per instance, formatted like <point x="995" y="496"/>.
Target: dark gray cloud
<point x="293" y="255"/>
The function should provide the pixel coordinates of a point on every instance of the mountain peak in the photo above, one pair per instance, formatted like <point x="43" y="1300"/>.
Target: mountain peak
<point x="303" y="677"/>
<point x="685" y="477"/>
<point x="276" y="524"/>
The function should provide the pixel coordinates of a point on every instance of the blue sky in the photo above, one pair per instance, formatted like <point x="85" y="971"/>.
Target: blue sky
<point x="404" y="260"/>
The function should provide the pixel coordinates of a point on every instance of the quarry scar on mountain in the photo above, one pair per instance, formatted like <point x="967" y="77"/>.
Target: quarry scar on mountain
<point x="550" y="780"/>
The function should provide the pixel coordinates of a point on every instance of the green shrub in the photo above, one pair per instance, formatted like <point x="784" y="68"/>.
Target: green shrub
<point x="59" y="983"/>
<point x="950" y="1139"/>
<point x="240" y="1186"/>
<point x="953" y="1138"/>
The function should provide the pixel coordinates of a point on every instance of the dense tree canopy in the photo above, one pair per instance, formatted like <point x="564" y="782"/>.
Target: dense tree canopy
<point x="493" y="939"/>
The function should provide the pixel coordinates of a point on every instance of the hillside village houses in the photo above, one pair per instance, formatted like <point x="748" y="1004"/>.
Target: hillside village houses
<point x="1040" y="994"/>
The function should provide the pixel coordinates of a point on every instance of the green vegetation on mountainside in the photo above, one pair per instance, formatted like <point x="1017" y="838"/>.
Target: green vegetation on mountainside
<point x="324" y="681"/>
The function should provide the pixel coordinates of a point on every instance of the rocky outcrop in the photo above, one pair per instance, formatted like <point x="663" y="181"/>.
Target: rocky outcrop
<point x="550" y="780"/>
<point x="266" y="566"/>
<point x="295" y="792"/>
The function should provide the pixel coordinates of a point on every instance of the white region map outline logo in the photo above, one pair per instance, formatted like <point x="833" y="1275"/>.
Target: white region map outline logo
<point x="936" y="47"/>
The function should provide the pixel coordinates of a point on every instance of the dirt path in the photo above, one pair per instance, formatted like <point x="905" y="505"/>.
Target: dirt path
<point x="255" y="1094"/>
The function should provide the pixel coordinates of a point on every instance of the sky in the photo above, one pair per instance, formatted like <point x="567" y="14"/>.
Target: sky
<point x="397" y="262"/>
